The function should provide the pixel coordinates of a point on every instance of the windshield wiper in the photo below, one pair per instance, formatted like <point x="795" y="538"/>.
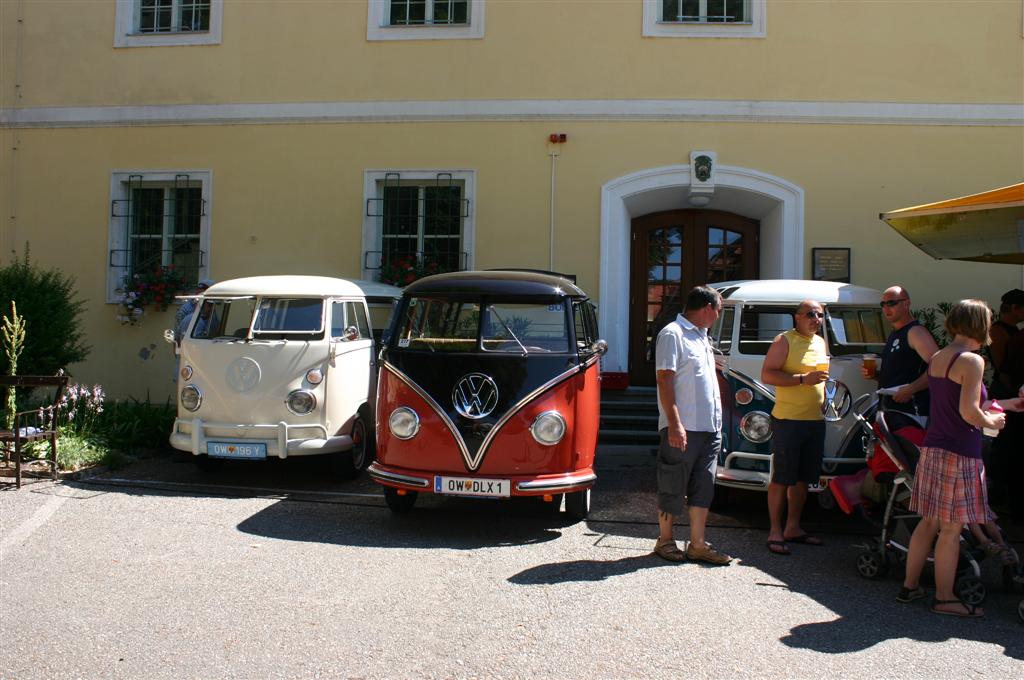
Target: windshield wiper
<point x="495" y="313"/>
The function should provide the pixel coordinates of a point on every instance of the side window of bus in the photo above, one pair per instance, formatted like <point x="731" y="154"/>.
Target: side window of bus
<point x="338" y="320"/>
<point x="721" y="332"/>
<point x="348" y="314"/>
<point x="357" y="312"/>
<point x="585" y="323"/>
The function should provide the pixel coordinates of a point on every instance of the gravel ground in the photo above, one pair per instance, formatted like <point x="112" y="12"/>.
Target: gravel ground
<point x="272" y="571"/>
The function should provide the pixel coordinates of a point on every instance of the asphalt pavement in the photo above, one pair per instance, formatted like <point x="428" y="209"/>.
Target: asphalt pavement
<point x="273" y="570"/>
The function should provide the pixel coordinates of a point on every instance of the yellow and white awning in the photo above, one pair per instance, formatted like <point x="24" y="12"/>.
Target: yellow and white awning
<point x="985" y="227"/>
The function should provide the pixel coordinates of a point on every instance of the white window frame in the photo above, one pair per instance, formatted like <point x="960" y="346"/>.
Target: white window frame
<point x="126" y="20"/>
<point x="655" y="28"/>
<point x="117" y="234"/>
<point x="377" y="28"/>
<point x="373" y="183"/>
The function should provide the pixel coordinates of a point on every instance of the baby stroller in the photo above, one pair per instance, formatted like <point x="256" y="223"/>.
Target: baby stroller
<point x="893" y="434"/>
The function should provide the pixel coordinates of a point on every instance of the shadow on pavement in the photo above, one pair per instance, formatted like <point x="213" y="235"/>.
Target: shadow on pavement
<point x="454" y="525"/>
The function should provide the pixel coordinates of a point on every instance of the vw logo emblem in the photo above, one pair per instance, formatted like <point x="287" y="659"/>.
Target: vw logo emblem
<point x="475" y="396"/>
<point x="243" y="374"/>
<point x="837" y="401"/>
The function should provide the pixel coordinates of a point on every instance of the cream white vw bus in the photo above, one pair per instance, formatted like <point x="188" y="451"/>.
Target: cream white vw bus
<point x="281" y="366"/>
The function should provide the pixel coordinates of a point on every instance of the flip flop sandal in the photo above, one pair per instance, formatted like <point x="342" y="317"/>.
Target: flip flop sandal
<point x="971" y="613"/>
<point x="909" y="595"/>
<point x="778" y="547"/>
<point x="669" y="551"/>
<point x="805" y="539"/>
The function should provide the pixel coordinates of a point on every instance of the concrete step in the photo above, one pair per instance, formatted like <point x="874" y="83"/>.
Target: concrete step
<point x="634" y="421"/>
<point x="637" y="437"/>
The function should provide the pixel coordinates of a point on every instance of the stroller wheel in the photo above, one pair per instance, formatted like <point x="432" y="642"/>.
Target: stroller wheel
<point x="1009" y="577"/>
<point x="871" y="564"/>
<point x="970" y="589"/>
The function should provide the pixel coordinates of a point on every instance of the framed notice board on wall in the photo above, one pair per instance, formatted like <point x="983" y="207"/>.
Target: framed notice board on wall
<point x="830" y="264"/>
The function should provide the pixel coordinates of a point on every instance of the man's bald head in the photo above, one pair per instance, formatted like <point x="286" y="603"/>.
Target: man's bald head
<point x="895" y="292"/>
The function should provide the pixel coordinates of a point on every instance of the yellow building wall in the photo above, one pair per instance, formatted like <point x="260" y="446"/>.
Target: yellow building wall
<point x="289" y="199"/>
<point x="317" y="50"/>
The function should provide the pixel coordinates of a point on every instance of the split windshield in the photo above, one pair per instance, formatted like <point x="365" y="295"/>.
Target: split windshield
<point x="276" y="318"/>
<point x="488" y="325"/>
<point x="848" y="329"/>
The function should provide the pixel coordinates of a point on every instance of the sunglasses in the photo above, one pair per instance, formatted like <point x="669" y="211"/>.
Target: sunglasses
<point x="815" y="315"/>
<point x="891" y="303"/>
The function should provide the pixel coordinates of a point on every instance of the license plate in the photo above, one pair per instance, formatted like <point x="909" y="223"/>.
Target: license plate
<point x="467" y="486"/>
<point x="235" y="450"/>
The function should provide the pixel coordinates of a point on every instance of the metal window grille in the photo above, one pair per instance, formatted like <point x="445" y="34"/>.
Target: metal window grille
<point x="705" y="11"/>
<point x="428" y="12"/>
<point x="173" y="16"/>
<point x="421" y="223"/>
<point x="161" y="222"/>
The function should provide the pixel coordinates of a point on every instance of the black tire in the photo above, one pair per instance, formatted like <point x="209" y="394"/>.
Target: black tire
<point x="970" y="590"/>
<point x="399" y="504"/>
<point x="872" y="564"/>
<point x="577" y="504"/>
<point x="348" y="464"/>
<point x="207" y="464"/>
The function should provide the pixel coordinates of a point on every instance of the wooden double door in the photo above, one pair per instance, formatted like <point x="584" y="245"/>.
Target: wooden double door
<point x="671" y="252"/>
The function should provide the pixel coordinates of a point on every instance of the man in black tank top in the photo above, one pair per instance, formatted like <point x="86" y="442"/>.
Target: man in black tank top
<point x="906" y="354"/>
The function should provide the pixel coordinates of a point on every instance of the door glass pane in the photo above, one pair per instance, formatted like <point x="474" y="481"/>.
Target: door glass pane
<point x="666" y="253"/>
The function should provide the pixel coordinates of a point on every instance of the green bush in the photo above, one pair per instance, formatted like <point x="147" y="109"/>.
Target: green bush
<point x="133" y="425"/>
<point x="934" y="319"/>
<point x="46" y="298"/>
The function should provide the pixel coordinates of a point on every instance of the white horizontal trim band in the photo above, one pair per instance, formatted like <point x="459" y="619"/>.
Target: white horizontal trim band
<point x="747" y="111"/>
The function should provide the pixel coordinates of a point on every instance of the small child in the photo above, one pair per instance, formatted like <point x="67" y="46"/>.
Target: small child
<point x="990" y="538"/>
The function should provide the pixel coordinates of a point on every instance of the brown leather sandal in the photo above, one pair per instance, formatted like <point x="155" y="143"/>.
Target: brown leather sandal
<point x="668" y="550"/>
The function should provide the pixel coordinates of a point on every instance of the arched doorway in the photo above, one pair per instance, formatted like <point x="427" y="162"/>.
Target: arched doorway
<point x="671" y="252"/>
<point x="777" y="204"/>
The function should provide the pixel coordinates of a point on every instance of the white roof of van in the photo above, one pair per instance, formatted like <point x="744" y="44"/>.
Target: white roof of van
<point x="301" y="286"/>
<point x="796" y="290"/>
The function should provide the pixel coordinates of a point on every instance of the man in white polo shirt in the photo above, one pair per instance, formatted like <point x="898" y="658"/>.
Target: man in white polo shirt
<point x="690" y="423"/>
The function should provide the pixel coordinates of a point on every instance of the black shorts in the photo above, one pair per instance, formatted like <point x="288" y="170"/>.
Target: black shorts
<point x="687" y="477"/>
<point x="797" y="449"/>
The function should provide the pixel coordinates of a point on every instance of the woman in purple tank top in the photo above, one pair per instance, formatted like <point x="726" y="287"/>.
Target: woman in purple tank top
<point x="949" y="489"/>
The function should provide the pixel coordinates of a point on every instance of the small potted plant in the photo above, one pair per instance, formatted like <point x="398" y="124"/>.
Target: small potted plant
<point x="150" y="287"/>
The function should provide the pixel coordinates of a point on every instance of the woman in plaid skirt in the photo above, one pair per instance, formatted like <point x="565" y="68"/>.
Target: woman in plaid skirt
<point x="949" y="489"/>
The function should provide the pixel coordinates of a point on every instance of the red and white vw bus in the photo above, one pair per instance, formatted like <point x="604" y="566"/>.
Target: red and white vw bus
<point x="488" y="386"/>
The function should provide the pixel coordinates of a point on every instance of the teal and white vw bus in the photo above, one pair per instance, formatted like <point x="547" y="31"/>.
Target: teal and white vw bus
<point x="753" y="313"/>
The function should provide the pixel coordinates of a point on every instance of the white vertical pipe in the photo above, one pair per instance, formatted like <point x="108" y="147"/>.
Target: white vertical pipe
<point x="551" y="218"/>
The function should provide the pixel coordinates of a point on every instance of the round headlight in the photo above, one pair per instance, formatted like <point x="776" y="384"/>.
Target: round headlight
<point x="186" y="372"/>
<point x="191" y="397"/>
<point x="314" y="376"/>
<point x="301" y="402"/>
<point x="756" y="426"/>
<point x="404" y="422"/>
<point x="548" y="428"/>
<point x="744" y="396"/>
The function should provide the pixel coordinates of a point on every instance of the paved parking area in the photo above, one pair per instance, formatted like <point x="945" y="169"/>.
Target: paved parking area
<point x="158" y="570"/>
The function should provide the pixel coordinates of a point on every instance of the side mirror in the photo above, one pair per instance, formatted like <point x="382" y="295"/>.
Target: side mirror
<point x="600" y="346"/>
<point x="351" y="333"/>
<point x="169" y="335"/>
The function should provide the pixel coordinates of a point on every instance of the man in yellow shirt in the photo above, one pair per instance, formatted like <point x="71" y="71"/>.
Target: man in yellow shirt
<point x="798" y="426"/>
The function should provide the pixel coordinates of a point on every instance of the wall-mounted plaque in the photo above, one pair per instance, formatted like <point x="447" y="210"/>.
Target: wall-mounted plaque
<point x="830" y="264"/>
